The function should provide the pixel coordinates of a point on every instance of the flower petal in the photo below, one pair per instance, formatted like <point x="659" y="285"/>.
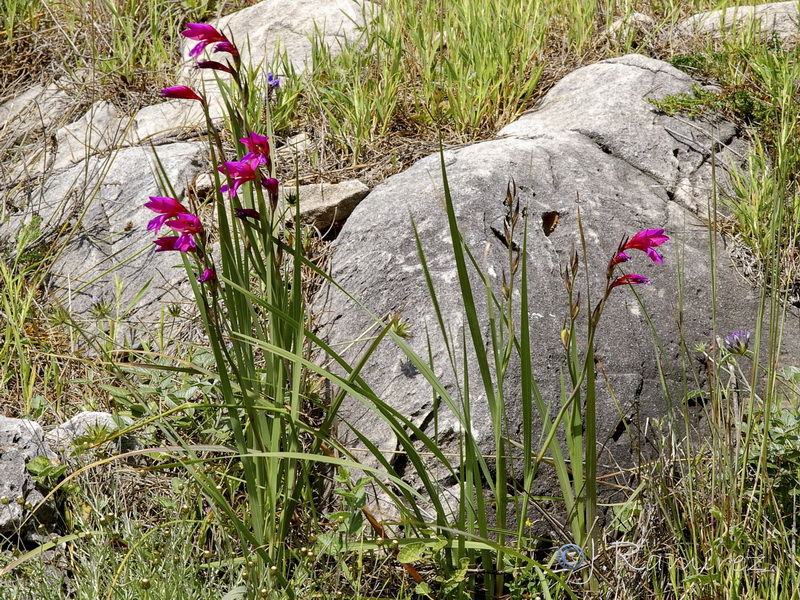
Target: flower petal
<point x="204" y="32"/>
<point x="654" y="256"/>
<point x="186" y="224"/>
<point x="166" y="243"/>
<point x="181" y="92"/>
<point x="165" y="205"/>
<point x="631" y="279"/>
<point x="157" y="223"/>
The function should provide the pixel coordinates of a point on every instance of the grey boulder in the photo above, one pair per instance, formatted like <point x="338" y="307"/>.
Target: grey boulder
<point x="780" y="19"/>
<point x="595" y="144"/>
<point x="94" y="212"/>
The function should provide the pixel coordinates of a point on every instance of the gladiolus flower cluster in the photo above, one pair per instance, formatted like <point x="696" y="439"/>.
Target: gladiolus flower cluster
<point x="173" y="214"/>
<point x="254" y="164"/>
<point x="647" y="241"/>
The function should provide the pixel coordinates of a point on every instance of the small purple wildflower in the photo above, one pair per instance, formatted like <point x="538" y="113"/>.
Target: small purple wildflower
<point x="273" y="82"/>
<point x="737" y="342"/>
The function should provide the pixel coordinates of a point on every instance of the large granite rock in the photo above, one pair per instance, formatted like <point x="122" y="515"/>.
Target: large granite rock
<point x="596" y="144"/>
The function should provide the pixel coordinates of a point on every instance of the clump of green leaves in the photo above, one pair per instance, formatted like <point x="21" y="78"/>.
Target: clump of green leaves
<point x="739" y="104"/>
<point x="45" y="472"/>
<point x="781" y="460"/>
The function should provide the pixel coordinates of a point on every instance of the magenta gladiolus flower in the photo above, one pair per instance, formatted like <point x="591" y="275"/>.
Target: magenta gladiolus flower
<point x="171" y="243"/>
<point x="187" y="225"/>
<point x="228" y="47"/>
<point x="646" y="241"/>
<point x="205" y="34"/>
<point x="208" y="275"/>
<point x="181" y="92"/>
<point x="212" y="64"/>
<point x="246" y="213"/>
<point x="183" y="243"/>
<point x="629" y="279"/>
<point x="166" y="243"/>
<point x="258" y="145"/>
<point x="168" y="208"/>
<point x="238" y="171"/>
<point x="272" y="187"/>
<point x="619" y="257"/>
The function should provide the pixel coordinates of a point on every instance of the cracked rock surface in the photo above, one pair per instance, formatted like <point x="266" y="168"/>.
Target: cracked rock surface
<point x="596" y="144"/>
<point x="20" y="442"/>
<point x="100" y="201"/>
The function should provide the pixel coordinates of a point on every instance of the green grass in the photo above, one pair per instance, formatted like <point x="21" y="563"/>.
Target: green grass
<point x="256" y="493"/>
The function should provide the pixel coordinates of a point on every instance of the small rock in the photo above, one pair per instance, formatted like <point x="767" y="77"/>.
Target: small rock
<point x="632" y="26"/>
<point x="297" y="145"/>
<point x="90" y="425"/>
<point x="203" y="183"/>
<point x="322" y="204"/>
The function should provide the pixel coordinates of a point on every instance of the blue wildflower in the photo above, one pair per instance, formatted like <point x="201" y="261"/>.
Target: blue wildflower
<point x="737" y="342"/>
